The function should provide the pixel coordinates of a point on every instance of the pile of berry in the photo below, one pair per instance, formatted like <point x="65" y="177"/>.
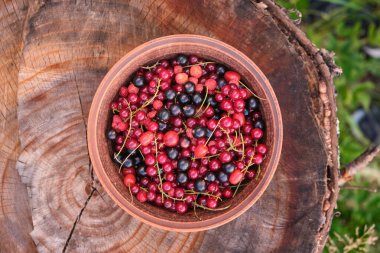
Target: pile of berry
<point x="186" y="132"/>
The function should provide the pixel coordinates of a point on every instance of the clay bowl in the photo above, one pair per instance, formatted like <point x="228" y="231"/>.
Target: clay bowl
<point x="100" y="120"/>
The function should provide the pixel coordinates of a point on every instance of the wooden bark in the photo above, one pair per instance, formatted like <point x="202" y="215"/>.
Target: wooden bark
<point x="65" y="48"/>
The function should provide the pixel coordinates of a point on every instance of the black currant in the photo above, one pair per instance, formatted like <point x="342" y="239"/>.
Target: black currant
<point x="139" y="81"/>
<point x="188" y="110"/>
<point x="183" y="164"/>
<point x="200" y="185"/>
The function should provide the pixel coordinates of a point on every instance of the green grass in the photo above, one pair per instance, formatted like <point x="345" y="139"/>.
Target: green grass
<point x="345" y="30"/>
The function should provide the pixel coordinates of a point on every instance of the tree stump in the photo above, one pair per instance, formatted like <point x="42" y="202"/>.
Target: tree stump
<point x="54" y="54"/>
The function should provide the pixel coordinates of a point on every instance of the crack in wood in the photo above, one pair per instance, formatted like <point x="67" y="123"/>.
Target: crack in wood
<point x="77" y="220"/>
<point x="91" y="171"/>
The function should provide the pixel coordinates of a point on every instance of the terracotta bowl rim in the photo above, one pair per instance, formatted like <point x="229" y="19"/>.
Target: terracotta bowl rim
<point x="171" y="225"/>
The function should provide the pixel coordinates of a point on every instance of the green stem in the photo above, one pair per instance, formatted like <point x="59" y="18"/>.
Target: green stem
<point x="121" y="165"/>
<point x="251" y="91"/>
<point x="198" y="64"/>
<point x="212" y="209"/>
<point x="147" y="103"/>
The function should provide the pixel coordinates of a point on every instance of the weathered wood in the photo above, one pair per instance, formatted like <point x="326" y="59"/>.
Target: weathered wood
<point x="15" y="215"/>
<point x="68" y="47"/>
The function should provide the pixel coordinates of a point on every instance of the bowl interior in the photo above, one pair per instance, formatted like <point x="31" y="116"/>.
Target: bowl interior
<point x="119" y="75"/>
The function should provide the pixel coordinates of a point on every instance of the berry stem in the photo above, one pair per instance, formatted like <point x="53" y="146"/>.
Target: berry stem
<point x="151" y="66"/>
<point x="147" y="103"/>
<point x="202" y="193"/>
<point x="195" y="213"/>
<point x="129" y="130"/>
<point x="121" y="165"/>
<point x="203" y="102"/>
<point x="258" y="172"/>
<point x="198" y="64"/>
<point x="244" y="171"/>
<point x="241" y="83"/>
<point x="213" y="131"/>
<point x="158" y="167"/>
<point x="212" y="209"/>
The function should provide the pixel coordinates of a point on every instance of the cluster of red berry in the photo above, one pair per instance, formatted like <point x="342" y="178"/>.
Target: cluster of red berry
<point x="186" y="132"/>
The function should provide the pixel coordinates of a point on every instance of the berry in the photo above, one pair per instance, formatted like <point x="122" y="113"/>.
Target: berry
<point x="210" y="177"/>
<point x="146" y="138"/>
<point x="182" y="59"/>
<point x="181" y="207"/>
<point x="131" y="143"/>
<point x="199" y="132"/>
<point x="213" y="187"/>
<point x="239" y="116"/>
<point x="162" y="126"/>
<point x="211" y="202"/>
<point x="225" y="157"/>
<point x="189" y="87"/>
<point x="142" y="196"/>
<point x="222" y="177"/>
<point x="175" y="110"/>
<point x="153" y="126"/>
<point x="221" y="82"/>
<point x="181" y="78"/>
<point x="220" y="69"/>
<point x="257" y="159"/>
<point x="129" y="180"/>
<point x="200" y="151"/>
<point x="193" y="173"/>
<point x="197" y="99"/>
<point x="171" y="138"/>
<point x="252" y="103"/>
<point x="151" y="196"/>
<point x="127" y="163"/>
<point x="196" y="71"/>
<point x="139" y="81"/>
<point x="179" y="193"/>
<point x="184" y="142"/>
<point x="168" y="203"/>
<point x="226" y="122"/>
<point x="170" y="94"/>
<point x="188" y="110"/>
<point x="211" y="84"/>
<point x="182" y="178"/>
<point x="172" y="153"/>
<point x="183" y="98"/>
<point x="164" y="75"/>
<point x="163" y="114"/>
<point x="236" y="177"/>
<point x="157" y="104"/>
<point x="183" y="164"/>
<point x="166" y="186"/>
<point x="227" y="193"/>
<point x="214" y="164"/>
<point x="229" y="168"/>
<point x="232" y="77"/>
<point x="226" y="105"/>
<point x="162" y="158"/>
<point x="257" y="133"/>
<point x="200" y="185"/>
<point x="111" y="135"/>
<point x="262" y="149"/>
<point x="151" y="171"/>
<point x="259" y="124"/>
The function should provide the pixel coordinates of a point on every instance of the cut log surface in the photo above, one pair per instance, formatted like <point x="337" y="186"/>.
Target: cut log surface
<point x="54" y="55"/>
<point x="15" y="213"/>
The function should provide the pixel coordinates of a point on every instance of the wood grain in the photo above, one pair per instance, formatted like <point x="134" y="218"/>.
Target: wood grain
<point x="67" y="49"/>
<point x="15" y="216"/>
